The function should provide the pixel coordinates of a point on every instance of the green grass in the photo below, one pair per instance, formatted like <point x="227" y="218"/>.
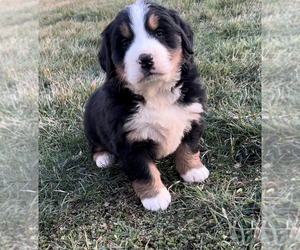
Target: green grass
<point x="18" y="125"/>
<point x="84" y="207"/>
<point x="281" y="125"/>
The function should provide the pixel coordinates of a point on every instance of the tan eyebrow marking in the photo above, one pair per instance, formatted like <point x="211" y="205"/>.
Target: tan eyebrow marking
<point x="125" y="30"/>
<point x="153" y="22"/>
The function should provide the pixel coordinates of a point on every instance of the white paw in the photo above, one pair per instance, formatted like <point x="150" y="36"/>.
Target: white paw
<point x="161" y="201"/>
<point x="105" y="160"/>
<point x="196" y="175"/>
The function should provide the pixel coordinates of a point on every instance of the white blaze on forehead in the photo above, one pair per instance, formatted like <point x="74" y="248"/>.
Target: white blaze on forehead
<point x="138" y="13"/>
<point x="143" y="42"/>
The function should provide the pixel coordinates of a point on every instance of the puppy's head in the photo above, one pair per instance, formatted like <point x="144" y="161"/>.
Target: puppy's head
<point x="144" y="45"/>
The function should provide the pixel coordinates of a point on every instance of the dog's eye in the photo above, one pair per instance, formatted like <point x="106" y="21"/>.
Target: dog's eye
<point x="124" y="43"/>
<point x="159" y="33"/>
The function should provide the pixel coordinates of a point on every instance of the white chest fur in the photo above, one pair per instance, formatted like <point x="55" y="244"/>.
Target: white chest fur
<point x="162" y="120"/>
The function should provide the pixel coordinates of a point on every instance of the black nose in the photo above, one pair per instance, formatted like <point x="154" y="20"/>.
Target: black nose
<point x="146" y="61"/>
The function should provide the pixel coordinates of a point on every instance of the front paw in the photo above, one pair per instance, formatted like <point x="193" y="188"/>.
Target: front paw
<point x="160" y="201"/>
<point x="196" y="175"/>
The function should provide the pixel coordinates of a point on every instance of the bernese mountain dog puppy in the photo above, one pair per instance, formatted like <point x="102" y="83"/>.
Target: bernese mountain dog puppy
<point x="151" y="103"/>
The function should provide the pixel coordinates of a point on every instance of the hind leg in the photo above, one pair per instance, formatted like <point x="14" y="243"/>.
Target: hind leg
<point x="103" y="159"/>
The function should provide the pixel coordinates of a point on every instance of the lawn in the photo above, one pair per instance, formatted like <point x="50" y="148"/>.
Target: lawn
<point x="84" y="207"/>
<point x="18" y="124"/>
<point x="281" y="124"/>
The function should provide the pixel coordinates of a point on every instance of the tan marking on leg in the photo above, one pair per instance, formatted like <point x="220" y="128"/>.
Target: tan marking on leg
<point x="96" y="155"/>
<point x="99" y="151"/>
<point x="146" y="190"/>
<point x="125" y="30"/>
<point x="185" y="160"/>
<point x="153" y="22"/>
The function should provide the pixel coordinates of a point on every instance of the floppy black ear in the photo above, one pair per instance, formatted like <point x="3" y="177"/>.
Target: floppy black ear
<point x="187" y="34"/>
<point x="104" y="55"/>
